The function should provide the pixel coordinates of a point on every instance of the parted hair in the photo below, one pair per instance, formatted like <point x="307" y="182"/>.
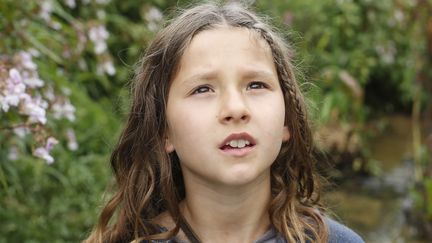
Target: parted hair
<point x="148" y="180"/>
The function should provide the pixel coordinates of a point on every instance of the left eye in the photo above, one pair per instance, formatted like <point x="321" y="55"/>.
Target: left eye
<point x="202" y="89"/>
<point x="257" y="85"/>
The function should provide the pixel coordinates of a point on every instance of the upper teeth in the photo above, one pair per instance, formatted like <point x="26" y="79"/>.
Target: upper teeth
<point x="241" y="143"/>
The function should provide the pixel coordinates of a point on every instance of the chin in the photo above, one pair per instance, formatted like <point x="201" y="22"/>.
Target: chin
<point x="242" y="177"/>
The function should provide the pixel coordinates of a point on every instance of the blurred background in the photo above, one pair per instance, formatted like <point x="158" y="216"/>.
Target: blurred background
<point x="65" y="70"/>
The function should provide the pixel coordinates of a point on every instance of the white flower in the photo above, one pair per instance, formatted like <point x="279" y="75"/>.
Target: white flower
<point x="14" y="92"/>
<point x="72" y="143"/>
<point x="64" y="109"/>
<point x="49" y="93"/>
<point x="399" y="16"/>
<point x="34" y="82"/>
<point x="98" y="36"/>
<point x="55" y="25"/>
<point x="26" y="60"/>
<point x="387" y="52"/>
<point x="21" y="131"/>
<point x="50" y="143"/>
<point x="66" y="91"/>
<point x="82" y="64"/>
<point x="4" y="105"/>
<point x="43" y="152"/>
<point x="152" y="26"/>
<point x="13" y="153"/>
<point x="15" y="76"/>
<point x="46" y="10"/>
<point x="153" y="15"/>
<point x="101" y="14"/>
<point x="70" y="3"/>
<point x="34" y="52"/>
<point x="107" y="66"/>
<point x="35" y="110"/>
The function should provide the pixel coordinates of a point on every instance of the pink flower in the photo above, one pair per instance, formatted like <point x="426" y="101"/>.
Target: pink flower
<point x="35" y="109"/>
<point x="14" y="92"/>
<point x="14" y="76"/>
<point x="43" y="152"/>
<point x="26" y="60"/>
<point x="32" y="80"/>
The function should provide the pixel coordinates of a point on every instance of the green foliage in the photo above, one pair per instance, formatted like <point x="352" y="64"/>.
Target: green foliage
<point x="59" y="203"/>
<point x="347" y="46"/>
<point x="344" y="48"/>
<point x="358" y="59"/>
<point x="428" y="197"/>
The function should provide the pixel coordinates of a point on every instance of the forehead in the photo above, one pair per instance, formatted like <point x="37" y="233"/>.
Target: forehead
<point x="226" y="47"/>
<point x="229" y="34"/>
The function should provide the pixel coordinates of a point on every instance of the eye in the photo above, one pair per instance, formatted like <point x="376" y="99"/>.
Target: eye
<point x="202" y="89"/>
<point x="257" y="85"/>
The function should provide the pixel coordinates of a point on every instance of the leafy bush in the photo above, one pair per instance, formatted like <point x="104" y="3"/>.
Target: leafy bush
<point x="360" y="60"/>
<point x="64" y="67"/>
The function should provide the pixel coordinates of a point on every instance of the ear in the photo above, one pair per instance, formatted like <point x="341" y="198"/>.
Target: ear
<point x="169" y="147"/>
<point x="286" y="134"/>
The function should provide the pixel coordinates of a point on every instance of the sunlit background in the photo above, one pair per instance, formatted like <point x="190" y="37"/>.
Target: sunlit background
<point x="65" y="69"/>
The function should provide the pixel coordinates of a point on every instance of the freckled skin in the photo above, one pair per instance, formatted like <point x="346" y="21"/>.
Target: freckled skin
<point x="227" y="83"/>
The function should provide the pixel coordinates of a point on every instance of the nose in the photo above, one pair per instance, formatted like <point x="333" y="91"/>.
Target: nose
<point x="233" y="108"/>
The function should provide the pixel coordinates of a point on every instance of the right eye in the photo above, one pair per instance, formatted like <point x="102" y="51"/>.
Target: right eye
<point x="202" y="89"/>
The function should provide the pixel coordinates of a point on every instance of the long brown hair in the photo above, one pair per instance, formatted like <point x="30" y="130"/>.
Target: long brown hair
<point x="149" y="181"/>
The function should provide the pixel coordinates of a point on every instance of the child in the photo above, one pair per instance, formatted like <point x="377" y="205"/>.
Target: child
<point x="217" y="146"/>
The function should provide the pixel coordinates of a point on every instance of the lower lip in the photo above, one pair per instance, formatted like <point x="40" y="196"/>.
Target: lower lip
<point x="238" y="152"/>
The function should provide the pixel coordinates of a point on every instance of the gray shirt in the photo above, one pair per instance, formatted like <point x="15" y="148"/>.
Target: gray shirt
<point x="338" y="233"/>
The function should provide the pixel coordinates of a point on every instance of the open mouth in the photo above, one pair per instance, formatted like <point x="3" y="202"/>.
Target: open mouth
<point x="238" y="142"/>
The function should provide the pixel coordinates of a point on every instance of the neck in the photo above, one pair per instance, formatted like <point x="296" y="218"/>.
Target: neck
<point x="228" y="213"/>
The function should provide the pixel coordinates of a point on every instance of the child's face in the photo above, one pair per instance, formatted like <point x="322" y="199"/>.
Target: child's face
<point x="226" y="91"/>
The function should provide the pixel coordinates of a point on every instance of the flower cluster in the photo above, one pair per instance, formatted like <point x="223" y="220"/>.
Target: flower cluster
<point x="46" y="8"/>
<point x="24" y="94"/>
<point x="43" y="152"/>
<point x="29" y="105"/>
<point x="99" y="35"/>
<point x="15" y="91"/>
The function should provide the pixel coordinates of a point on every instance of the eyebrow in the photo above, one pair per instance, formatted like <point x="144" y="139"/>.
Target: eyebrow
<point x="246" y="74"/>
<point x="200" y="76"/>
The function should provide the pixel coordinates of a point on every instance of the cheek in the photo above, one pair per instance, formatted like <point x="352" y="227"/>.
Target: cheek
<point x="184" y="126"/>
<point x="278" y="116"/>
